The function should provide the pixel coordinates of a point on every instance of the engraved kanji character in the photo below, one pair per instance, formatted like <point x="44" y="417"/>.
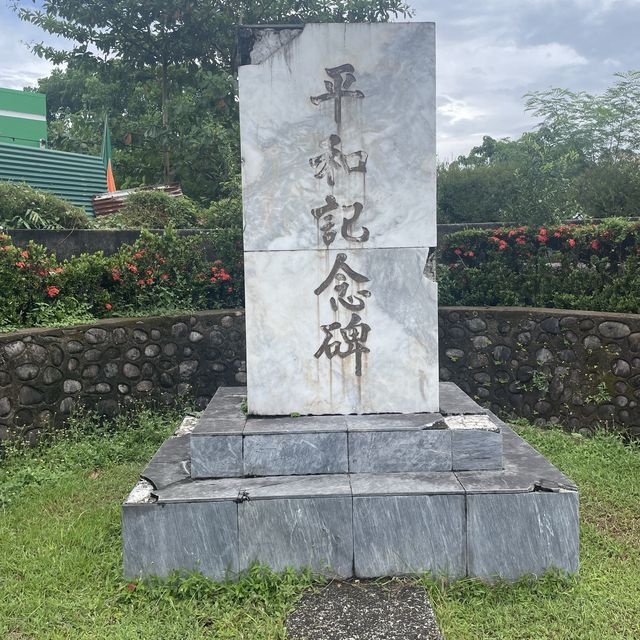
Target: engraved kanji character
<point x="354" y="336"/>
<point x="332" y="160"/>
<point x="339" y="88"/>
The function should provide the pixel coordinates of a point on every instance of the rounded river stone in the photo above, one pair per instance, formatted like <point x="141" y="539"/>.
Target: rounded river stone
<point x="611" y="329"/>
<point x="130" y="370"/>
<point x="591" y="342"/>
<point x="475" y="324"/>
<point x="152" y="350"/>
<point x="73" y="346"/>
<point x="30" y="396"/>
<point x="14" y="349"/>
<point x="95" y="336"/>
<point x="27" y="371"/>
<point x="51" y="375"/>
<point x="5" y="406"/>
<point x="71" y="386"/>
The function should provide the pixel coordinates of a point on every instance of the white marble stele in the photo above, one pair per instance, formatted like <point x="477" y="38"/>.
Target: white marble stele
<point x="338" y="165"/>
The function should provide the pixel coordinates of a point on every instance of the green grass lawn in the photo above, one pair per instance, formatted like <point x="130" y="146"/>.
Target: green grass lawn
<point x="60" y="556"/>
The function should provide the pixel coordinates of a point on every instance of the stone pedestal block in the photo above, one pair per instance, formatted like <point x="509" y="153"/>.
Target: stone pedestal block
<point x="225" y="443"/>
<point x="314" y="532"/>
<point x="159" y="539"/>
<point x="511" y="534"/>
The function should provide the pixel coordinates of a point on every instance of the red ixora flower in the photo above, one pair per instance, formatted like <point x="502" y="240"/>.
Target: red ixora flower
<point x="469" y="253"/>
<point x="132" y="268"/>
<point x="542" y="235"/>
<point x="52" y="292"/>
<point x="457" y="251"/>
<point x="521" y="240"/>
<point x="595" y="245"/>
<point x="24" y="254"/>
<point x="501" y="245"/>
<point x="229" y="289"/>
<point x="20" y="265"/>
<point x="108" y="306"/>
<point x="572" y="242"/>
<point x="218" y="273"/>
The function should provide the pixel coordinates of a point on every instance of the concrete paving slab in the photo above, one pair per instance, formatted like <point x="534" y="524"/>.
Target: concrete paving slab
<point x="390" y="610"/>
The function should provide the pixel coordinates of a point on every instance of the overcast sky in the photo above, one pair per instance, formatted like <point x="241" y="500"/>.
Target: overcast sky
<point x="490" y="53"/>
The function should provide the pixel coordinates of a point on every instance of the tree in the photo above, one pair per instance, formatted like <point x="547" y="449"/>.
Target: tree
<point x="583" y="158"/>
<point x="173" y="40"/>
<point x="527" y="181"/>
<point x="597" y="126"/>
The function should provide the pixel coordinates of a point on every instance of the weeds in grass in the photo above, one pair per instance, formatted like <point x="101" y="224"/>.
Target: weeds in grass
<point x="87" y="442"/>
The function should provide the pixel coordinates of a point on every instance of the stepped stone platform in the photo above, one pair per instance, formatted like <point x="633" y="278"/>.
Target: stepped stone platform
<point x="225" y="443"/>
<point x="455" y="493"/>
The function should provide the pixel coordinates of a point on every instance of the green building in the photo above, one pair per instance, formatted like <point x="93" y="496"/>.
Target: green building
<point x="24" y="156"/>
<point x="23" y="118"/>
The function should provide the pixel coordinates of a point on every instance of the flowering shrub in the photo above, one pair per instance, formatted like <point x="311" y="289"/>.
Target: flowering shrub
<point x="27" y="277"/>
<point x="571" y="266"/>
<point x="158" y="274"/>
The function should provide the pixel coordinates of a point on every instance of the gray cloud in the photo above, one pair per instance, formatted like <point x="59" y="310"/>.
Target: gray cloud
<point x="491" y="53"/>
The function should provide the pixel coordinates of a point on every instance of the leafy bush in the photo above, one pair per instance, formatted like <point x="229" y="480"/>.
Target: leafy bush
<point x="160" y="273"/>
<point x="577" y="266"/>
<point x="153" y="210"/>
<point x="225" y="213"/>
<point x="23" y="207"/>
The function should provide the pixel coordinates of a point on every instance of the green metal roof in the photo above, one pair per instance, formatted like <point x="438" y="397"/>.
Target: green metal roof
<point x="72" y="176"/>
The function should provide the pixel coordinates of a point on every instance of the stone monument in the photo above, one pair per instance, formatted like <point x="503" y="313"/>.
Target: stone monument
<point x="339" y="162"/>
<point x="344" y="453"/>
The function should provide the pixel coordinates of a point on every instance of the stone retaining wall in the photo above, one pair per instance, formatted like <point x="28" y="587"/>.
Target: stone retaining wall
<point x="579" y="368"/>
<point x="45" y="372"/>
<point x="574" y="367"/>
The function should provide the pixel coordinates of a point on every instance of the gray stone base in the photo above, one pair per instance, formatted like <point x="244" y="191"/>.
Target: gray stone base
<point x="226" y="444"/>
<point x="521" y="519"/>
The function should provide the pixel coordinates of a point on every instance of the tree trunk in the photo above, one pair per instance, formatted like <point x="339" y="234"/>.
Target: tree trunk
<point x="165" y="122"/>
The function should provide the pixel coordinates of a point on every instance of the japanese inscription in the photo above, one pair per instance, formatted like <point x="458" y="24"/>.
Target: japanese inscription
<point x="330" y="162"/>
<point x="339" y="87"/>
<point x="341" y="339"/>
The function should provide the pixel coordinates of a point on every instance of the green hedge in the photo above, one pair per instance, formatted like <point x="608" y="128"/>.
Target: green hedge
<point x="23" y="207"/>
<point x="575" y="266"/>
<point x="158" y="274"/>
